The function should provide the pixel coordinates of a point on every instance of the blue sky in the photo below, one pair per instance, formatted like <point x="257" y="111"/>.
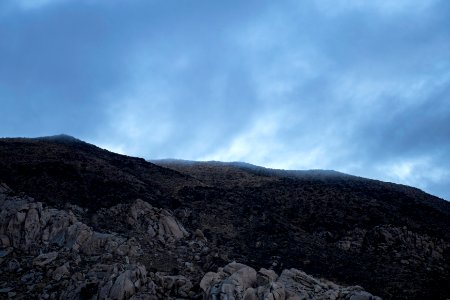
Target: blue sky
<point x="359" y="86"/>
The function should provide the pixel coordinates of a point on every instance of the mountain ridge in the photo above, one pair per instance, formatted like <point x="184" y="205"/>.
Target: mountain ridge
<point x="389" y="238"/>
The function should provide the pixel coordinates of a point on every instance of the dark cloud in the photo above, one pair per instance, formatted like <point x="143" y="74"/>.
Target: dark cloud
<point x="361" y="87"/>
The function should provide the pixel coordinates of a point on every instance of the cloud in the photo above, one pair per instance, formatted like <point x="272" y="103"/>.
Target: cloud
<point x="336" y="7"/>
<point x="357" y="86"/>
<point x="365" y="115"/>
<point x="139" y="119"/>
<point x="422" y="172"/>
<point x="36" y="4"/>
<point x="415" y="171"/>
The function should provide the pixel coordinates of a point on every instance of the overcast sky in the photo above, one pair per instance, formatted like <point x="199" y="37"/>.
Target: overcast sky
<point x="361" y="87"/>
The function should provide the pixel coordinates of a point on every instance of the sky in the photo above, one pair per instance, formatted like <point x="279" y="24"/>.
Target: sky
<point x="362" y="87"/>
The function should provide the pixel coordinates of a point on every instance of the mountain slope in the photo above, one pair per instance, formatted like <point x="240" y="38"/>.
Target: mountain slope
<point x="342" y="227"/>
<point x="391" y="239"/>
<point x="62" y="169"/>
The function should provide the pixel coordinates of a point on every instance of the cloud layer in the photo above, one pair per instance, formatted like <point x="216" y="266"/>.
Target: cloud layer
<point x="358" y="86"/>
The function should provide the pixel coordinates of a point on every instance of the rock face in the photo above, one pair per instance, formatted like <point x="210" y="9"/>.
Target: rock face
<point x="142" y="216"/>
<point x="238" y="281"/>
<point x="29" y="227"/>
<point x="53" y="255"/>
<point x="108" y="282"/>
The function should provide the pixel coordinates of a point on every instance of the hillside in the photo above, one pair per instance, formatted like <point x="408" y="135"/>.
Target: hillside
<point x="391" y="239"/>
<point x="61" y="169"/>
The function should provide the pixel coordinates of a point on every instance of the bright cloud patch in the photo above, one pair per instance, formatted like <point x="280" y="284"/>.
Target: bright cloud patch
<point x="34" y="4"/>
<point x="420" y="172"/>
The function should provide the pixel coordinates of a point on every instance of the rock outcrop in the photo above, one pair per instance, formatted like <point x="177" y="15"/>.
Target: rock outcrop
<point x="53" y="255"/>
<point x="141" y="216"/>
<point x="48" y="253"/>
<point x="28" y="226"/>
<point x="114" y="281"/>
<point x="238" y="281"/>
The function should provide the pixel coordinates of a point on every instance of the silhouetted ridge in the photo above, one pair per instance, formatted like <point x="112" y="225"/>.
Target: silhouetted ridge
<point x="60" y="138"/>
<point x="60" y="169"/>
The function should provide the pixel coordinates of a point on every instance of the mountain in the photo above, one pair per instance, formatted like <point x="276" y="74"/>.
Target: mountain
<point x="186" y="222"/>
<point x="61" y="169"/>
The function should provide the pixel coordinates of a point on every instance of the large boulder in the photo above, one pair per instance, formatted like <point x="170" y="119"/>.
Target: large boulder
<point x="238" y="281"/>
<point x="30" y="227"/>
<point x="143" y="217"/>
<point x="108" y="282"/>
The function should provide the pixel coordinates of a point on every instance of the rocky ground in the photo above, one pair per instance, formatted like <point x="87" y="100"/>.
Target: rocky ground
<point x="47" y="253"/>
<point x="79" y="222"/>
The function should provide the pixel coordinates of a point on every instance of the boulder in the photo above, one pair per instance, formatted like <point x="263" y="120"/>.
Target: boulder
<point x="265" y="276"/>
<point x="108" y="282"/>
<point x="30" y="227"/>
<point x="61" y="271"/>
<point x="173" y="285"/>
<point x="143" y="217"/>
<point x="238" y="281"/>
<point x="45" y="259"/>
<point x="4" y="241"/>
<point x="231" y="282"/>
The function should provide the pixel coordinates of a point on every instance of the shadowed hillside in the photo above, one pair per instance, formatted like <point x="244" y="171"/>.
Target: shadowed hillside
<point x="391" y="239"/>
<point x="62" y="169"/>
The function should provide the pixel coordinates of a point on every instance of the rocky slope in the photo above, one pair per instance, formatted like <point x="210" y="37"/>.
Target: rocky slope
<point x="47" y="253"/>
<point x="79" y="222"/>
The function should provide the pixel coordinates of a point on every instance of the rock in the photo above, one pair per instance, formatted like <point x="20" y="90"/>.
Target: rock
<point x="123" y="287"/>
<point x="13" y="265"/>
<point x="273" y="290"/>
<point x="12" y="294"/>
<point x="170" y="227"/>
<point x="250" y="294"/>
<point x="6" y="290"/>
<point x="98" y="243"/>
<point x="232" y="281"/>
<point x="14" y="229"/>
<point x="61" y="272"/>
<point x="128" y="283"/>
<point x="28" y="226"/>
<point x="199" y="235"/>
<point x="107" y="282"/>
<point x="6" y="252"/>
<point x="210" y="279"/>
<point x="4" y="241"/>
<point x="144" y="296"/>
<point x="129" y="248"/>
<point x="361" y="296"/>
<point x="265" y="276"/>
<point x="155" y="222"/>
<point x="243" y="279"/>
<point x="45" y="259"/>
<point x="56" y="224"/>
<point x="175" y="286"/>
<point x="32" y="227"/>
<point x="238" y="281"/>
<point x="28" y="278"/>
<point x="233" y="267"/>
